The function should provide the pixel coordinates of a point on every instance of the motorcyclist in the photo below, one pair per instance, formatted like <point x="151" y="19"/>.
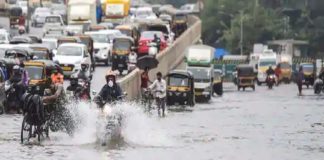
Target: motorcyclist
<point x="74" y="85"/>
<point x="25" y="77"/>
<point x="270" y="71"/>
<point x="159" y="87"/>
<point x="57" y="77"/>
<point x="157" y="40"/>
<point x="17" y="81"/>
<point x="111" y="91"/>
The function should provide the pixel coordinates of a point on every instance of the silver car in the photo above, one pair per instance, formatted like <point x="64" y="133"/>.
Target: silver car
<point x="39" y="16"/>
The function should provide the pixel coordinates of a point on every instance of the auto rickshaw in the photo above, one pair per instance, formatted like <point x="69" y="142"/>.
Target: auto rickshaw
<point x="180" y="23"/>
<point x="20" y="54"/>
<point x="41" y="51"/>
<point x="88" y="41"/>
<point x="122" y="47"/>
<point x="286" y="72"/>
<point x="309" y="74"/>
<point x="39" y="72"/>
<point x="130" y="30"/>
<point x="180" y="88"/>
<point x="14" y="14"/>
<point x="218" y="82"/>
<point x="73" y="39"/>
<point x="245" y="77"/>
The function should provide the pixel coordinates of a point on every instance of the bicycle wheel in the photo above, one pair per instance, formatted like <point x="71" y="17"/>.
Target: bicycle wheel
<point x="26" y="130"/>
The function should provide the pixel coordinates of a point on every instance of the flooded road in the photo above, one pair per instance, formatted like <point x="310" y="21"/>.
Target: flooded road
<point x="266" y="124"/>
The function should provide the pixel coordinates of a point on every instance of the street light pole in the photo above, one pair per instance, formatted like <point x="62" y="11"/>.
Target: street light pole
<point x="242" y="34"/>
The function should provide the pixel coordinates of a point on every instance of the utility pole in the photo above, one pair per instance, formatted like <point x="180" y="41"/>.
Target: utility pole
<point x="242" y="34"/>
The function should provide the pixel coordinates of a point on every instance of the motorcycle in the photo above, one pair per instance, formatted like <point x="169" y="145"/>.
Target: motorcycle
<point x="81" y="92"/>
<point x="21" y="29"/>
<point x="318" y="86"/>
<point x="271" y="80"/>
<point x="12" y="101"/>
<point x="153" y="50"/>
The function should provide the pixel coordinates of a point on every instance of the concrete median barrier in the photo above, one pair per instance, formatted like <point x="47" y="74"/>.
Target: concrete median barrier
<point x="168" y="59"/>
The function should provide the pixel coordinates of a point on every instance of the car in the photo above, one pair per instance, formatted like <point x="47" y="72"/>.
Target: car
<point x="4" y="37"/>
<point x="145" y="13"/>
<point x="102" y="44"/>
<point x="52" y="42"/>
<point x="59" y="9"/>
<point x="70" y="56"/>
<point x="159" y="25"/>
<point x="39" y="16"/>
<point x="146" y="38"/>
<point x="21" y="39"/>
<point x="71" y="30"/>
<point x="23" y="5"/>
<point x="3" y="48"/>
<point x="53" y="23"/>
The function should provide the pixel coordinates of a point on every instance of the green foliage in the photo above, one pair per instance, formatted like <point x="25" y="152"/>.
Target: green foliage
<point x="263" y="20"/>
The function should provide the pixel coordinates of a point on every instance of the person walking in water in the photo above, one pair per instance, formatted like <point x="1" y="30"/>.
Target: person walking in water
<point x="300" y="80"/>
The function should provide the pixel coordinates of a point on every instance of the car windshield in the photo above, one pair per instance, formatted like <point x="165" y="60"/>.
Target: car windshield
<point x="69" y="51"/>
<point x="308" y="68"/>
<point x="39" y="55"/>
<point x="43" y="10"/>
<point x="122" y="45"/>
<point x="53" y="20"/>
<point x="150" y="35"/>
<point x="245" y="72"/>
<point x="285" y="66"/>
<point x="126" y="32"/>
<point x="200" y="75"/>
<point x="267" y="63"/>
<point x="12" y="1"/>
<point x="101" y="38"/>
<point x="34" y="72"/>
<point x="178" y="81"/>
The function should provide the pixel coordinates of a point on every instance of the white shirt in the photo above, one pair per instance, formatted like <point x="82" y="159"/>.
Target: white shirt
<point x="159" y="86"/>
<point x="132" y="58"/>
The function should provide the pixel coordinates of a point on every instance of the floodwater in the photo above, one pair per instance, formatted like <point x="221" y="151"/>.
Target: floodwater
<point x="266" y="124"/>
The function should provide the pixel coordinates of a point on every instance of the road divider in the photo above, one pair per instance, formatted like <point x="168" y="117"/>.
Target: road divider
<point x="168" y="59"/>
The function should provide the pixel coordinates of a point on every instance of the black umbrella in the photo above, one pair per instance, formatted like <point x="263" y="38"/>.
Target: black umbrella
<point x="147" y="62"/>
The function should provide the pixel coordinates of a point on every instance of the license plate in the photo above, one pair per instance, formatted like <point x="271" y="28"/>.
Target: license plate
<point x="198" y="93"/>
<point x="66" y="68"/>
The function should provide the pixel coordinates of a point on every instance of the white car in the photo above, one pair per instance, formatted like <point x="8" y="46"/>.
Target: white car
<point x="4" y="37"/>
<point x="3" y="48"/>
<point x="23" y="5"/>
<point x="102" y="44"/>
<point x="70" y="56"/>
<point x="53" y="23"/>
<point x="145" y="13"/>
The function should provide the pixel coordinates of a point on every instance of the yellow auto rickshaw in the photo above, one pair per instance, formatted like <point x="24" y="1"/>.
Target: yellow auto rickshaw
<point x="180" y="88"/>
<point x="286" y="72"/>
<point x="309" y="74"/>
<point x="39" y="72"/>
<point x="130" y="30"/>
<point x="218" y="82"/>
<point x="179" y="23"/>
<point x="41" y="51"/>
<point x="245" y="77"/>
<point x="14" y="14"/>
<point x="122" y="47"/>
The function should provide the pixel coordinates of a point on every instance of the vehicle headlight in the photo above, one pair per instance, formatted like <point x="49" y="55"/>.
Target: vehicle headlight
<point x="184" y="94"/>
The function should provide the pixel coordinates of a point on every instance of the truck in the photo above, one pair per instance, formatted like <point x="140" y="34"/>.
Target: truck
<point x="82" y="12"/>
<point x="116" y="9"/>
<point x="199" y="60"/>
<point x="266" y="59"/>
